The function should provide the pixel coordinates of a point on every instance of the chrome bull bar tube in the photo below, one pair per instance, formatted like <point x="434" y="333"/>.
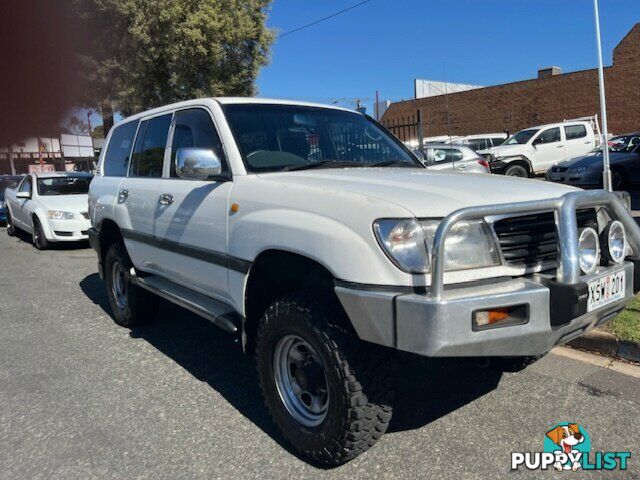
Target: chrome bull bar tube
<point x="564" y="209"/>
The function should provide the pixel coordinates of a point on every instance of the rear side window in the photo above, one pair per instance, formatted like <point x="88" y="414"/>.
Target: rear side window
<point x="497" y="141"/>
<point x="116" y="159"/>
<point x="477" y="144"/>
<point x="148" y="155"/>
<point x="575" y="131"/>
<point x="549" y="136"/>
<point x="194" y="128"/>
<point x="444" y="155"/>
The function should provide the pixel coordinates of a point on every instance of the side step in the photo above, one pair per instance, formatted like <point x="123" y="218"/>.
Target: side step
<point x="213" y="310"/>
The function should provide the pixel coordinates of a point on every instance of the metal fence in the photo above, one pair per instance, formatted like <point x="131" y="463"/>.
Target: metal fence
<point x="408" y="130"/>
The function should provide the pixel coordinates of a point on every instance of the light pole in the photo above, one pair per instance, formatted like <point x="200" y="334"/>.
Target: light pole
<point x="606" y="171"/>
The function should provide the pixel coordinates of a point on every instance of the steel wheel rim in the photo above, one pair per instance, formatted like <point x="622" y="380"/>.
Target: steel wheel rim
<point x="119" y="285"/>
<point x="301" y="380"/>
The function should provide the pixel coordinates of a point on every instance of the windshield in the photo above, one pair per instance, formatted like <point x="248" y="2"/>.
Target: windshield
<point x="63" y="185"/>
<point x="624" y="144"/>
<point x="520" y="138"/>
<point x="275" y="138"/>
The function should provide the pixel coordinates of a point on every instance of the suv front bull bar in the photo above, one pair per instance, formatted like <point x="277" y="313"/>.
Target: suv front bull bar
<point x="564" y="209"/>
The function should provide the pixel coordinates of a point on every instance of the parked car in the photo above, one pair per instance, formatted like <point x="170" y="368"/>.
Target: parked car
<point x="534" y="150"/>
<point x="320" y="241"/>
<point x="481" y="142"/>
<point x="441" y="156"/>
<point x="586" y="171"/>
<point x="52" y="207"/>
<point x="6" y="181"/>
<point x="622" y="142"/>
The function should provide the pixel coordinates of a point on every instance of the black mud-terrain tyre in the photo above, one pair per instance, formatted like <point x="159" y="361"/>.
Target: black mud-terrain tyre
<point x="39" y="239"/>
<point x="130" y="304"/>
<point x="358" y="380"/>
<point x="11" y="228"/>
<point x="516" y="170"/>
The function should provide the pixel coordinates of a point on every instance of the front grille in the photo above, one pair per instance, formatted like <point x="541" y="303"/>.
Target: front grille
<point x="531" y="240"/>
<point x="559" y="169"/>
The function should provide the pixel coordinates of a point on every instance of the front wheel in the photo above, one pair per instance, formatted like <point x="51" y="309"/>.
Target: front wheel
<point x="516" y="171"/>
<point x="39" y="239"/>
<point x="11" y="229"/>
<point x="329" y="393"/>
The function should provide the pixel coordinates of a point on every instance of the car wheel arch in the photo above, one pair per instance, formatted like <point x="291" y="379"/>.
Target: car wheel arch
<point x="299" y="272"/>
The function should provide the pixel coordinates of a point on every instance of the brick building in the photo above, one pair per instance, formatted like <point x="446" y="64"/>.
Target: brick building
<point x="551" y="97"/>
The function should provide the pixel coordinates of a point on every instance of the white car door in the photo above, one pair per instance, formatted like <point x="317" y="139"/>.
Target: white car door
<point x="191" y="216"/>
<point x="577" y="141"/>
<point x="137" y="202"/>
<point x="19" y="206"/>
<point x="548" y="148"/>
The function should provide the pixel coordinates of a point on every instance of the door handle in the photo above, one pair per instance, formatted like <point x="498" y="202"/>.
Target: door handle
<point x="165" y="199"/>
<point x="122" y="195"/>
<point x="462" y="166"/>
<point x="559" y="146"/>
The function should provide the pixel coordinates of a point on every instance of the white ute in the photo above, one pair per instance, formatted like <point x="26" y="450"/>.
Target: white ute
<point x="320" y="240"/>
<point x="534" y="150"/>
<point x="52" y="207"/>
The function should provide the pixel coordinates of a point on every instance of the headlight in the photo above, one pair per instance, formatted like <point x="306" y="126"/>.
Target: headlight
<point x="589" y="249"/>
<point x="614" y="242"/>
<point x="408" y="243"/>
<point x="58" y="215"/>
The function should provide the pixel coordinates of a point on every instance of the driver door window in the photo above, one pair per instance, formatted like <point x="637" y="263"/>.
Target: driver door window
<point x="194" y="128"/>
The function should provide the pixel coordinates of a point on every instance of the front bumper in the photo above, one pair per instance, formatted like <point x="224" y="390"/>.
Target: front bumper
<point x="68" y="230"/>
<point x="417" y="323"/>
<point x="553" y="308"/>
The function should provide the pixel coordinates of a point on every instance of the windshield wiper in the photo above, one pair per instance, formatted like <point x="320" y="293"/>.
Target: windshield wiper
<point x="385" y="163"/>
<point x="323" y="163"/>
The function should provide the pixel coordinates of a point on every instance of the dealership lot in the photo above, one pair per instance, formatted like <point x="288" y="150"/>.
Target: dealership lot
<point x="83" y="398"/>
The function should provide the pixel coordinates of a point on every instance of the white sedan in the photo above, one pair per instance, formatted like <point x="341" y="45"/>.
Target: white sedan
<point x="52" y="207"/>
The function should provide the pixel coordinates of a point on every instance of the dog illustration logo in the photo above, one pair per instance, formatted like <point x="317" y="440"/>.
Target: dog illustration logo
<point x="568" y="437"/>
<point x="567" y="447"/>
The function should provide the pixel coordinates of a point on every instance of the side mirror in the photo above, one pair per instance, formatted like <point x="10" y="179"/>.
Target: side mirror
<point x="197" y="164"/>
<point x="23" y="195"/>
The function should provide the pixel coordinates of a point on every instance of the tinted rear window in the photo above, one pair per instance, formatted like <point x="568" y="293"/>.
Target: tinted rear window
<point x="116" y="159"/>
<point x="149" y="152"/>
<point x="575" y="131"/>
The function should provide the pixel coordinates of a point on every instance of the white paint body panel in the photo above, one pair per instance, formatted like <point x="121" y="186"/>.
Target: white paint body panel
<point x="326" y="215"/>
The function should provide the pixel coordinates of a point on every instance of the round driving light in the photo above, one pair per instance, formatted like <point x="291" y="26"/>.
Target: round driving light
<point x="614" y="241"/>
<point x="589" y="248"/>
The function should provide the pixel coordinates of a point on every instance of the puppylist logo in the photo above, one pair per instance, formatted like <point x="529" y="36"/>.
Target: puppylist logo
<point x="567" y="446"/>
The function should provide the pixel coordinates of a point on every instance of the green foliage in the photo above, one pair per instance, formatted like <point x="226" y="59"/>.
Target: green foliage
<point x="147" y="53"/>
<point x="626" y="325"/>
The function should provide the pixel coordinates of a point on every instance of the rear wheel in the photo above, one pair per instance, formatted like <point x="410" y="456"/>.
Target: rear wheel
<point x="329" y="393"/>
<point x="11" y="229"/>
<point x="130" y="304"/>
<point x="39" y="239"/>
<point x="516" y="171"/>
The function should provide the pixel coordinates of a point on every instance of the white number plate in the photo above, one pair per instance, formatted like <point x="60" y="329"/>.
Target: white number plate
<point x="605" y="290"/>
<point x="555" y="178"/>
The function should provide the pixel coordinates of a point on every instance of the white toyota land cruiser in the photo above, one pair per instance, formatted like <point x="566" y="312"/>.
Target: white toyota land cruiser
<point x="324" y="244"/>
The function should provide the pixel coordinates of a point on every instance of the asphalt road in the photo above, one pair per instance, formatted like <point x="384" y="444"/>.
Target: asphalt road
<point x="83" y="398"/>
